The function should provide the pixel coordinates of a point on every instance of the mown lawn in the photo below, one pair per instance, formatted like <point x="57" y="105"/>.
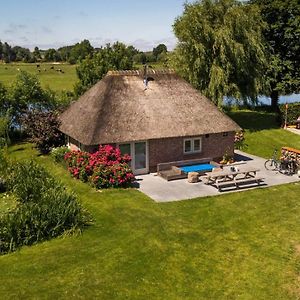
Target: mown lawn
<point x="49" y="78"/>
<point x="236" y="246"/>
<point x="262" y="133"/>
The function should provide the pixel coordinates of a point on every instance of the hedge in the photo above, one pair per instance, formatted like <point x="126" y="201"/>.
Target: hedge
<point x="292" y="114"/>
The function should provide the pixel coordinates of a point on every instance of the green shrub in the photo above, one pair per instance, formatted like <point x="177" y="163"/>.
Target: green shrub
<point x="3" y="171"/>
<point x="2" y="185"/>
<point x="292" y="114"/>
<point x="3" y="162"/>
<point x="45" y="209"/>
<point x="58" y="153"/>
<point x="28" y="181"/>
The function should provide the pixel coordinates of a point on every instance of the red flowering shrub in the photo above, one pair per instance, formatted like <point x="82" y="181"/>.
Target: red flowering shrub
<point x="105" y="168"/>
<point x="78" y="164"/>
<point x="116" y="175"/>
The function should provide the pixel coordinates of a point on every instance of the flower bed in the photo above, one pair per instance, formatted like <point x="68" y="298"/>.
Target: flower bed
<point x="103" y="169"/>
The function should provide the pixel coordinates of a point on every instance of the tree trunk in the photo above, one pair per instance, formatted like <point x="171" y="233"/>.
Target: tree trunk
<point x="274" y="100"/>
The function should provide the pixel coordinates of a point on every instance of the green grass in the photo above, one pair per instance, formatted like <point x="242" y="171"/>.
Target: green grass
<point x="234" y="246"/>
<point x="49" y="78"/>
<point x="262" y="133"/>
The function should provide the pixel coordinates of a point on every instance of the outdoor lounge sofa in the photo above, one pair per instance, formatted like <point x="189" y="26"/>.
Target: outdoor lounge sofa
<point x="172" y="171"/>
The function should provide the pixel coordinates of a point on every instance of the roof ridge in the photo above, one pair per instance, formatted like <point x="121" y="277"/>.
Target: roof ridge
<point x="141" y="72"/>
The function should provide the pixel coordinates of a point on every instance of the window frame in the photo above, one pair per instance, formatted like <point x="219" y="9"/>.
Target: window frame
<point x="192" y="140"/>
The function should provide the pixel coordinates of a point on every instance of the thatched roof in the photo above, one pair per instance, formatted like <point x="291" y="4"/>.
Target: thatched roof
<point x="119" y="109"/>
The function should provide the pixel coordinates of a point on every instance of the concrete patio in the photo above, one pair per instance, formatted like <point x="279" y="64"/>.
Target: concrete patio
<point x="161" y="190"/>
<point x="294" y="130"/>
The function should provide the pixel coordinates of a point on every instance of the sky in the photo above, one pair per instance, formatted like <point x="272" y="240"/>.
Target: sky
<point x="55" y="23"/>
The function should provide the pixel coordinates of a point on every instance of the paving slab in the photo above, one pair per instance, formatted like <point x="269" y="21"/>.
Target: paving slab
<point x="294" y="130"/>
<point x="161" y="190"/>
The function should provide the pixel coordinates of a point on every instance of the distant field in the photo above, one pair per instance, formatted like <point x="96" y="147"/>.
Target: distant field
<point x="49" y="77"/>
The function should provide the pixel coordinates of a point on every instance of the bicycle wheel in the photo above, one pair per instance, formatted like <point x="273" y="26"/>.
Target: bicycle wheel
<point x="271" y="165"/>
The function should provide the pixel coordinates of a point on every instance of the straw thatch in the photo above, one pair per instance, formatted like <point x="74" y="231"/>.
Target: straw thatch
<point x="119" y="109"/>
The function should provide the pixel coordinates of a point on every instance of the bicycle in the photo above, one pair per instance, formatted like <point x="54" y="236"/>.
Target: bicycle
<point x="273" y="163"/>
<point x="283" y="166"/>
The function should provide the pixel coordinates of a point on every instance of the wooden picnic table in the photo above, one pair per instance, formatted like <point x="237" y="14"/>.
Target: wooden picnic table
<point x="229" y="175"/>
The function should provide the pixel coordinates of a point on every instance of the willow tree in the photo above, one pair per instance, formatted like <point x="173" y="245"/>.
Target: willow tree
<point x="220" y="49"/>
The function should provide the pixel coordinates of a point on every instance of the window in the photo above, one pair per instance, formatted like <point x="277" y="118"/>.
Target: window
<point x="225" y="133"/>
<point x="192" y="145"/>
<point x="125" y="149"/>
<point x="207" y="135"/>
<point x="197" y="145"/>
<point x="187" y="146"/>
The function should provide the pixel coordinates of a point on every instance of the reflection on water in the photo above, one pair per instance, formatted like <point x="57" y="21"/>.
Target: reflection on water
<point x="263" y="100"/>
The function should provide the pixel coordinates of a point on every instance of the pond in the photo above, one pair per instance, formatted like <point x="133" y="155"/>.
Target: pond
<point x="264" y="100"/>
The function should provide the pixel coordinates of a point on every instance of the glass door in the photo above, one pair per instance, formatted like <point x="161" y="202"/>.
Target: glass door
<point x="140" y="158"/>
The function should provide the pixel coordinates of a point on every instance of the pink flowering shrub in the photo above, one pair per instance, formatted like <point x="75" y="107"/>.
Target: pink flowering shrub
<point x="103" y="169"/>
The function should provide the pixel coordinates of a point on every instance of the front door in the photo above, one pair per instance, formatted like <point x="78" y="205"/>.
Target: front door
<point x="139" y="156"/>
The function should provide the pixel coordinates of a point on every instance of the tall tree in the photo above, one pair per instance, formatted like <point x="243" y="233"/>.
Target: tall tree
<point x="220" y="49"/>
<point x="112" y="57"/>
<point x="161" y="48"/>
<point x="26" y="93"/>
<point x="80" y="51"/>
<point x="52" y="55"/>
<point x="21" y="54"/>
<point x="65" y="52"/>
<point x="7" y="52"/>
<point x="36" y="54"/>
<point x="282" y="36"/>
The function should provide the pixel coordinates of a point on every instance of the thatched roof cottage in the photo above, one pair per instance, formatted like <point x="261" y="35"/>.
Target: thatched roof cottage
<point x="155" y="118"/>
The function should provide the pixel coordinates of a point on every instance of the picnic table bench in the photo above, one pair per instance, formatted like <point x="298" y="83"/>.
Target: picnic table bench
<point x="235" y="177"/>
<point x="238" y="182"/>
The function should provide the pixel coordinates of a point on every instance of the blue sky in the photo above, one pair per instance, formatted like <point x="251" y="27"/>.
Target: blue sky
<point x="53" y="23"/>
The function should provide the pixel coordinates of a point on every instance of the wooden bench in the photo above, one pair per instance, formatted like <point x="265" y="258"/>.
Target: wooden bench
<point x="222" y="184"/>
<point x="238" y="182"/>
<point x="257" y="180"/>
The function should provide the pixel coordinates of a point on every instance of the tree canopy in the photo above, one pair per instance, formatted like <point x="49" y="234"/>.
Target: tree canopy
<point x="26" y="94"/>
<point x="80" y="51"/>
<point x="160" y="49"/>
<point x="221" y="50"/>
<point x="111" y="57"/>
<point x="282" y="35"/>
